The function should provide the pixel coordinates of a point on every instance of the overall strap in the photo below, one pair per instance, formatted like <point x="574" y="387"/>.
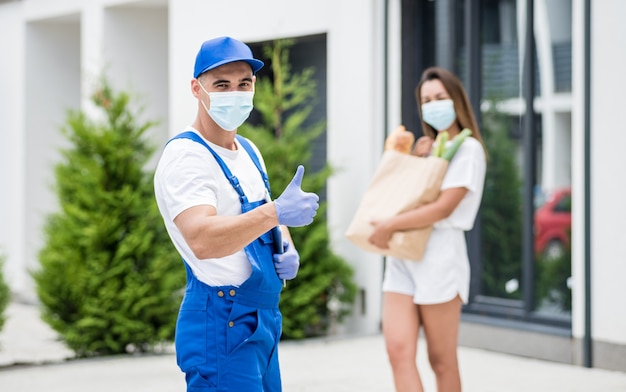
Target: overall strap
<point x="246" y="145"/>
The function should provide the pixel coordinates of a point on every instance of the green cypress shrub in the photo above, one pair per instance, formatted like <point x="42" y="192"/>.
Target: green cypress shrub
<point x="501" y="212"/>
<point x="5" y="294"/>
<point x="319" y="296"/>
<point x="551" y="281"/>
<point x="109" y="279"/>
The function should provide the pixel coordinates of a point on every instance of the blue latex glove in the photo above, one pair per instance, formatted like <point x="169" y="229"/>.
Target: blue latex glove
<point x="288" y="262"/>
<point x="295" y="207"/>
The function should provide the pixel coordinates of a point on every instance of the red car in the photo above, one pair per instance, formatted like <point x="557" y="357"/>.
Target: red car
<point x="553" y="223"/>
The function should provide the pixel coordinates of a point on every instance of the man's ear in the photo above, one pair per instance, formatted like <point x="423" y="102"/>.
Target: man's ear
<point x="196" y="90"/>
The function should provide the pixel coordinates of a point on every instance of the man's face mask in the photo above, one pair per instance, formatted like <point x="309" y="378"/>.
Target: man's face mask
<point x="439" y="114"/>
<point x="229" y="109"/>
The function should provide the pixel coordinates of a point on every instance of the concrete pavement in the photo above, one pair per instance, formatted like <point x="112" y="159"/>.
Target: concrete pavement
<point x="31" y="359"/>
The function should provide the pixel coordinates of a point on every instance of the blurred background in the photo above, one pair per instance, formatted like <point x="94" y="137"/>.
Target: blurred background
<point x="544" y="77"/>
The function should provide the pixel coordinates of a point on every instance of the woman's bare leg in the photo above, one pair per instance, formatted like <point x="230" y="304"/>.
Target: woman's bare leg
<point x="401" y="329"/>
<point x="441" y="328"/>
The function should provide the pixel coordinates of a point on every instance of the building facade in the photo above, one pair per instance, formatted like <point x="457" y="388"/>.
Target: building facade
<point x="563" y="57"/>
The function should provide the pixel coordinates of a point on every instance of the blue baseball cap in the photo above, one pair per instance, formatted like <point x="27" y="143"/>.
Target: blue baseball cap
<point x="224" y="50"/>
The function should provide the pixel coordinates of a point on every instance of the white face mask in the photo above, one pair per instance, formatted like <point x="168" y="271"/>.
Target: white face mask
<point x="439" y="114"/>
<point x="229" y="109"/>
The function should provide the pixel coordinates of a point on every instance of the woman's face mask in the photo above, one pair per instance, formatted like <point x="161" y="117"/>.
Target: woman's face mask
<point x="229" y="109"/>
<point x="439" y="114"/>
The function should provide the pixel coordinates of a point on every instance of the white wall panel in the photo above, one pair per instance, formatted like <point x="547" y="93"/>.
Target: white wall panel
<point x="52" y="87"/>
<point x="608" y="185"/>
<point x="12" y="147"/>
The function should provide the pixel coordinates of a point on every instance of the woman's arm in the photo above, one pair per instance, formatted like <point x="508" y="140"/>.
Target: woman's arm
<point x="420" y="217"/>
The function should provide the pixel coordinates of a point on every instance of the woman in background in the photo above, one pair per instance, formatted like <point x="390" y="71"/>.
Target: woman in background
<point x="429" y="293"/>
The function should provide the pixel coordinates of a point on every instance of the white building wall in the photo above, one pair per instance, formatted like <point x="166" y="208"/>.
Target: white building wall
<point x="608" y="185"/>
<point x="61" y="50"/>
<point x="51" y="87"/>
<point x="608" y="81"/>
<point x="12" y="147"/>
<point x="136" y="59"/>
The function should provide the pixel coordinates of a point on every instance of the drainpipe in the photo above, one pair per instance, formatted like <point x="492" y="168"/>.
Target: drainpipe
<point x="587" y="341"/>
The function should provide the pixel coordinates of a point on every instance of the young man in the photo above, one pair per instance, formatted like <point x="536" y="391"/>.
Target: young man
<point x="213" y="193"/>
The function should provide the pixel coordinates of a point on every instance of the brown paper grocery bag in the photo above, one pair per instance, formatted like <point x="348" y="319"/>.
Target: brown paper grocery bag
<point x="401" y="182"/>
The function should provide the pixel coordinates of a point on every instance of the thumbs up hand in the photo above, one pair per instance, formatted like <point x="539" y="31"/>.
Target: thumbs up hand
<point x="294" y="207"/>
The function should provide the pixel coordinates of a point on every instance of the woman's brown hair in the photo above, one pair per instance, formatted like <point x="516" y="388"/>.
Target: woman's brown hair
<point x="464" y="114"/>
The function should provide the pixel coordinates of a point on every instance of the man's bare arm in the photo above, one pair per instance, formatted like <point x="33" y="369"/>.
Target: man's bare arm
<point x="212" y="236"/>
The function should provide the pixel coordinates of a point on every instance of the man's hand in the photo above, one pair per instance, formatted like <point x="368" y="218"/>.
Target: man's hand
<point x="295" y="207"/>
<point x="288" y="262"/>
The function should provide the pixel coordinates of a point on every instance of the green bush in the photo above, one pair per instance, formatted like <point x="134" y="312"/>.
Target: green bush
<point x="501" y="216"/>
<point x="5" y="294"/>
<point x="551" y="280"/>
<point x="319" y="296"/>
<point x="109" y="280"/>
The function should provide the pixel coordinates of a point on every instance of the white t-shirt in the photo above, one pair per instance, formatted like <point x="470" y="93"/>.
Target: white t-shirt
<point x="466" y="170"/>
<point x="444" y="270"/>
<point x="187" y="175"/>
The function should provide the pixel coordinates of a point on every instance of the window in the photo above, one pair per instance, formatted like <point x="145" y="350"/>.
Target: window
<point x="497" y="243"/>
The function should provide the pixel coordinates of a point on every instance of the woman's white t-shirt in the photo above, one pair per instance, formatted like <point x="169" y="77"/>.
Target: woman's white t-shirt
<point x="187" y="175"/>
<point x="444" y="270"/>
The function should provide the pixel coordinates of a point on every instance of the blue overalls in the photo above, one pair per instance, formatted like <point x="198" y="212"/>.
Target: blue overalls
<point x="227" y="336"/>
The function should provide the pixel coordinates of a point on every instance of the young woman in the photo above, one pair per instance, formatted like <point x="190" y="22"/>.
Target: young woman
<point x="429" y="293"/>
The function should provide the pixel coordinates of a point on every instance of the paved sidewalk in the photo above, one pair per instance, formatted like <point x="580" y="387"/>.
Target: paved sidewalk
<point x="31" y="359"/>
<point x="26" y="339"/>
